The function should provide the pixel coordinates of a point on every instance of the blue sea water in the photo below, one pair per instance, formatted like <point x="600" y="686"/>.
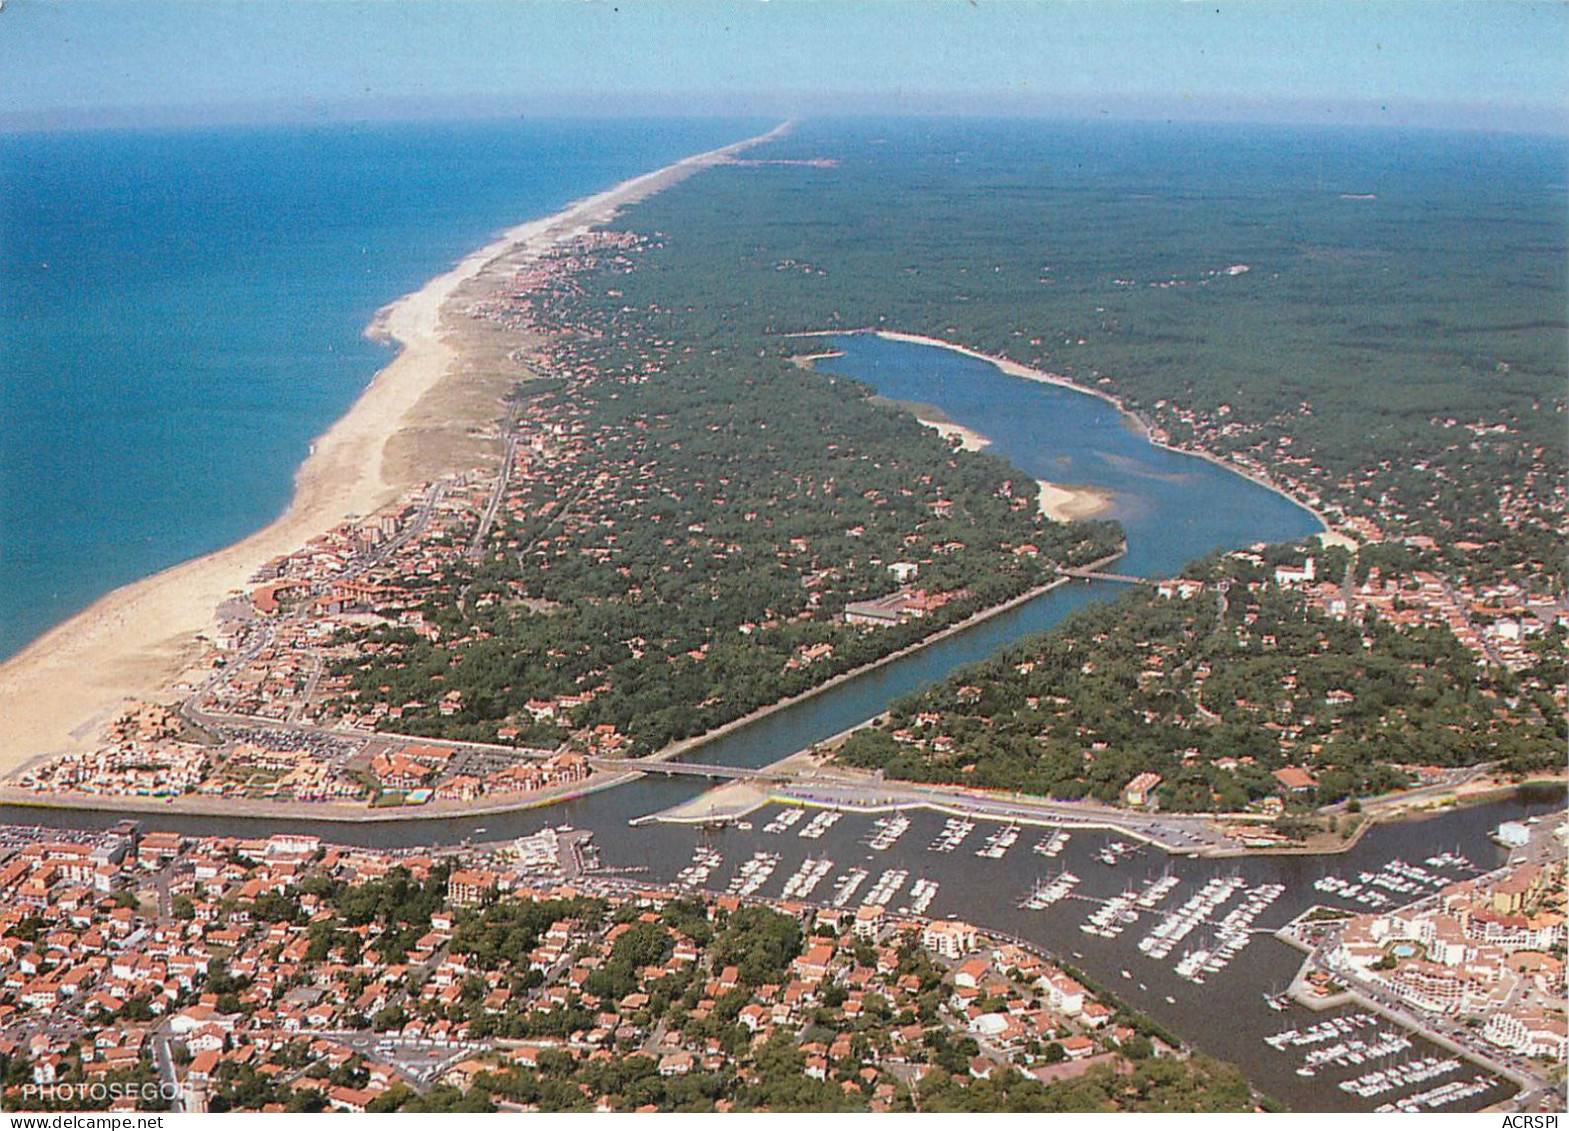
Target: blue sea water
<point x="182" y="312"/>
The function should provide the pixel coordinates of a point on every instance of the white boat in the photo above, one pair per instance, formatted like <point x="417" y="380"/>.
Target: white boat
<point x="786" y="818"/>
<point x="922" y="892"/>
<point x="998" y="843"/>
<point x="953" y="834"/>
<point x="1052" y="845"/>
<point x="845" y="887"/>
<point x="820" y="824"/>
<point x="889" y="830"/>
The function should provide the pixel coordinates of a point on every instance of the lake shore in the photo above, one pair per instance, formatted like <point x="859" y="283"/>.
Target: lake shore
<point x="133" y="643"/>
<point x="1063" y="503"/>
<point x="969" y="439"/>
<point x="1015" y="369"/>
<point x="1059" y="502"/>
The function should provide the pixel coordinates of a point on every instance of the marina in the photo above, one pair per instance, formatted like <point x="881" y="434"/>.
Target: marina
<point x="1178" y="925"/>
<point x="820" y="823"/>
<point x="804" y="880"/>
<point x="954" y="830"/>
<point x="922" y="892"/>
<point x="886" y="832"/>
<point x="846" y="885"/>
<point x="1046" y="893"/>
<point x="886" y="887"/>
<point x="1323" y="1031"/>
<point x="1345" y="1044"/>
<point x="997" y="845"/>
<point x="787" y="817"/>
<point x="704" y="861"/>
<point x="1235" y="930"/>
<point x="1453" y="1092"/>
<point x="1111" y="918"/>
<point x="753" y="874"/>
<point x="1116" y="852"/>
<point x="1397" y="881"/>
<point x="1383" y="1080"/>
<point x="1157" y="890"/>
<point x="1158" y="503"/>
<point x="1051" y="847"/>
<point x="1187" y="900"/>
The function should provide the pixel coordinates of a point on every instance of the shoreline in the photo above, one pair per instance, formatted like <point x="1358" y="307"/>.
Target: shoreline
<point x="1012" y="368"/>
<point x="960" y="801"/>
<point x="1016" y="369"/>
<point x="133" y="642"/>
<point x="969" y="439"/>
<point x="187" y="806"/>
<point x="415" y="321"/>
<point x="1353" y="992"/>
<point x="1064" y="503"/>
<point x="687" y="745"/>
<point x="1039" y="375"/>
<point x="1060" y="502"/>
<point x="1099" y="818"/>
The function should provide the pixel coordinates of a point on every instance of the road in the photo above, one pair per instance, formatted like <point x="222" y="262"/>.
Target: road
<point x="1489" y="646"/>
<point x="163" y="1062"/>
<point x="476" y="545"/>
<point x="1444" y="1030"/>
<point x="1448" y="782"/>
<point x="1174" y="834"/>
<point x="264" y="637"/>
<point x="161" y="880"/>
<point x="421" y="1062"/>
<point x="691" y="769"/>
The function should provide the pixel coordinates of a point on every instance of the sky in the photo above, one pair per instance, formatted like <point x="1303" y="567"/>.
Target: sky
<point x="1494" y="64"/>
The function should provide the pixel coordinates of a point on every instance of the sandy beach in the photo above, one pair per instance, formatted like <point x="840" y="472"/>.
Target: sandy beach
<point x="134" y="642"/>
<point x="1068" y="504"/>
<point x="969" y="439"/>
<point x="1058" y="502"/>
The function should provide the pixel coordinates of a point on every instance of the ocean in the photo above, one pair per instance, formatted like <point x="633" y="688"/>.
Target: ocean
<point x="182" y="313"/>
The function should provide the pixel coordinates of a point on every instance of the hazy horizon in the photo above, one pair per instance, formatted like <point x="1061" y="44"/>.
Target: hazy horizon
<point x="1455" y="118"/>
<point x="1430" y="64"/>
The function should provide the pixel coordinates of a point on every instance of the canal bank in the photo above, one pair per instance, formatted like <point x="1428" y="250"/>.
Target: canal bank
<point x="1174" y="509"/>
<point x="437" y="810"/>
<point x="1304" y="995"/>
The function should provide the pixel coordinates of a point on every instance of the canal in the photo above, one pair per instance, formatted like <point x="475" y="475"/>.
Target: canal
<point x="1174" y="508"/>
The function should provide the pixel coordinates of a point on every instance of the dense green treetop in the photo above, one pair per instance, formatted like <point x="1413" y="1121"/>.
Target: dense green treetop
<point x="1378" y="318"/>
<point x="1215" y="692"/>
